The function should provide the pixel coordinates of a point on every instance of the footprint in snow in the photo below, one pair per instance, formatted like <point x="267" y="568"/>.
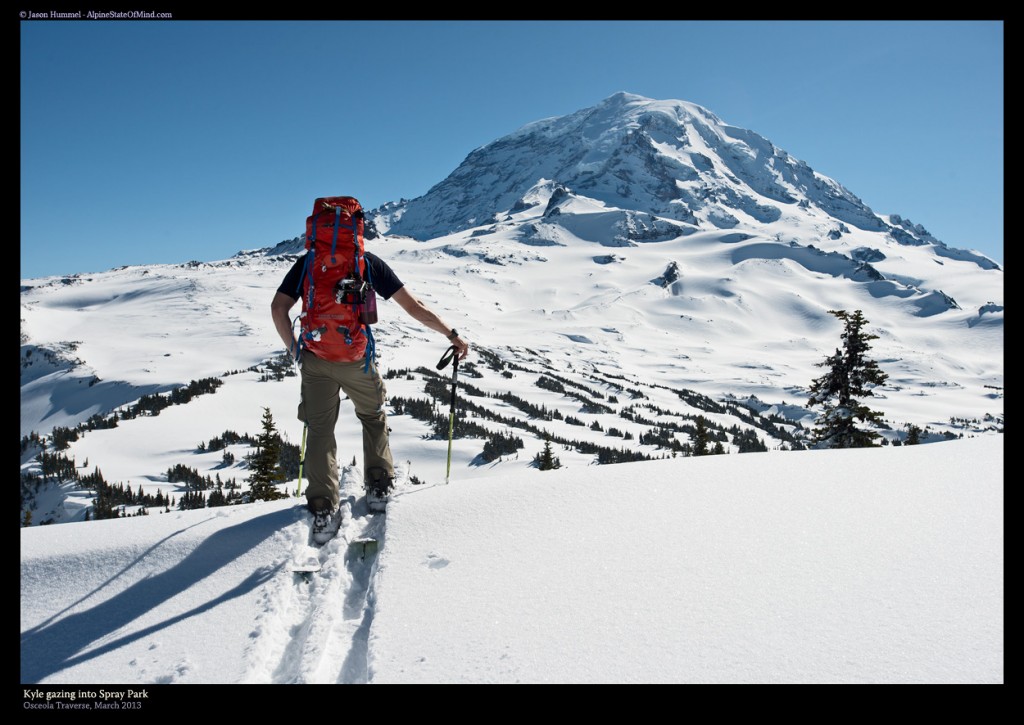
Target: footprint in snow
<point x="436" y="561"/>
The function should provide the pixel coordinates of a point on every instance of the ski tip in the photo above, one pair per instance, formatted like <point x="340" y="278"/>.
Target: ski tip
<point x="363" y="547"/>
<point x="304" y="567"/>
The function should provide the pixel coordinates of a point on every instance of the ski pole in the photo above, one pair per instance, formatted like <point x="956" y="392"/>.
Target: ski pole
<point x="450" y="356"/>
<point x="302" y="459"/>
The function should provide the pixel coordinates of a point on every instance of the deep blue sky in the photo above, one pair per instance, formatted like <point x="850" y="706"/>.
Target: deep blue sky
<point x="153" y="141"/>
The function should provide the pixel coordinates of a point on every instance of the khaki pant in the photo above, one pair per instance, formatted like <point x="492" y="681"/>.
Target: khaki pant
<point x="319" y="406"/>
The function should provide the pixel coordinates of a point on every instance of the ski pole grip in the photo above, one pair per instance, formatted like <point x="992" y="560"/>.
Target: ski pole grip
<point x="446" y="358"/>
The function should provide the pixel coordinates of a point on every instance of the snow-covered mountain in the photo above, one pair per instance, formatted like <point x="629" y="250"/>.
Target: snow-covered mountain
<point x="631" y="266"/>
<point x="662" y="169"/>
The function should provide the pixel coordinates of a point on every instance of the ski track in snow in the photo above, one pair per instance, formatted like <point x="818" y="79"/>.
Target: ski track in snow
<point x="314" y="628"/>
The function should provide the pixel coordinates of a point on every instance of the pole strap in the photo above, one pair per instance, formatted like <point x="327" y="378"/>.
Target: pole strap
<point x="448" y="356"/>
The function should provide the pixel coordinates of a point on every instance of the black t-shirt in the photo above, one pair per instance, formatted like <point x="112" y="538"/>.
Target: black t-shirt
<point x="385" y="281"/>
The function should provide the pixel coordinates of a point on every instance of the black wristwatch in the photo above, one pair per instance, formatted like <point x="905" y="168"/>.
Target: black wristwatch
<point x="455" y="333"/>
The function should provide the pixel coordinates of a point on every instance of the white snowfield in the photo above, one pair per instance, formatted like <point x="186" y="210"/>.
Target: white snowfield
<point x="876" y="565"/>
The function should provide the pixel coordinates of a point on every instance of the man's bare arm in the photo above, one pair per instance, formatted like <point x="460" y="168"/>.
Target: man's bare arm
<point x="279" y="309"/>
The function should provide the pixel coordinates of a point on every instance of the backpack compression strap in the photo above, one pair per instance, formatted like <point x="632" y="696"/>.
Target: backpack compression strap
<point x="337" y="220"/>
<point x="360" y="265"/>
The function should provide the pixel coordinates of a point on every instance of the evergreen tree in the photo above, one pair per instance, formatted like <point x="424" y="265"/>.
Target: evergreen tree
<point x="103" y="507"/>
<point x="850" y="376"/>
<point x="266" y="463"/>
<point x="701" y="439"/>
<point x="913" y="435"/>
<point x="217" y="498"/>
<point x="546" y="460"/>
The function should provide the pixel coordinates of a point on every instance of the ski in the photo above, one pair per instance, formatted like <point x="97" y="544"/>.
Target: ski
<point x="363" y="547"/>
<point x="305" y="561"/>
<point x="305" y="566"/>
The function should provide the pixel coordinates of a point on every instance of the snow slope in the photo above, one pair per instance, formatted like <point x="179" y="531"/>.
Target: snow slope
<point x="846" y="566"/>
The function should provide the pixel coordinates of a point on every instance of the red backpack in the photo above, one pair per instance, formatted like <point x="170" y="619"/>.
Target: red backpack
<point x="338" y="303"/>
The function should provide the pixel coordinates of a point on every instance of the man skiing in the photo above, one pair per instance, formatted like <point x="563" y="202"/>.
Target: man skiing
<point x="322" y="379"/>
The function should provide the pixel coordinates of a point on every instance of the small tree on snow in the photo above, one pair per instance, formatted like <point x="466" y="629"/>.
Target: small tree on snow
<point x="546" y="460"/>
<point x="266" y="463"/>
<point x="850" y="376"/>
<point x="701" y="439"/>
